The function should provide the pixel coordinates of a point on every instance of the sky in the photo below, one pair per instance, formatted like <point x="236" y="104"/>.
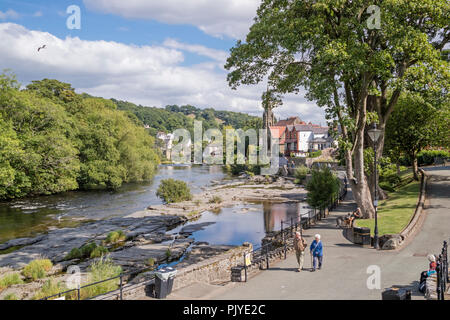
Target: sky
<point x="149" y="52"/>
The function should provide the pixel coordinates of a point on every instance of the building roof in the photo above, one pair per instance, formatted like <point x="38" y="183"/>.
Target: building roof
<point x="289" y="121"/>
<point x="277" y="131"/>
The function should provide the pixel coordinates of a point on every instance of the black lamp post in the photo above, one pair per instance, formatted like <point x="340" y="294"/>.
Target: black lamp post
<point x="374" y="134"/>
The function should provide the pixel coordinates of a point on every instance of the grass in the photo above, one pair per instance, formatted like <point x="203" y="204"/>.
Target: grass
<point x="115" y="237"/>
<point x="100" y="270"/>
<point x="11" y="296"/>
<point x="215" y="199"/>
<point x="90" y="250"/>
<point x="395" y="213"/>
<point x="37" y="269"/>
<point x="9" y="280"/>
<point x="50" y="288"/>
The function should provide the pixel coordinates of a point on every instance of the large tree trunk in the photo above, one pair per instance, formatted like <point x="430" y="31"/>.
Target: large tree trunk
<point x="358" y="181"/>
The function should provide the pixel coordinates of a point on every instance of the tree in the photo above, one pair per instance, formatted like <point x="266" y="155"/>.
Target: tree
<point x="416" y="124"/>
<point x="322" y="188"/>
<point x="356" y="73"/>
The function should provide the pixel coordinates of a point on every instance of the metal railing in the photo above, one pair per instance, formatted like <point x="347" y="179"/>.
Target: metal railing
<point x="122" y="277"/>
<point x="442" y="272"/>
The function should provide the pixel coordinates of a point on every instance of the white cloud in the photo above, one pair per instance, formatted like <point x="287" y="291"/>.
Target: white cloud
<point x="9" y="14"/>
<point x="38" y="14"/>
<point x="147" y="75"/>
<point x="231" y="18"/>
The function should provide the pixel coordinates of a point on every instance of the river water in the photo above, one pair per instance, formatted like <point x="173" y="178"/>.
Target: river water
<point x="230" y="226"/>
<point x="29" y="216"/>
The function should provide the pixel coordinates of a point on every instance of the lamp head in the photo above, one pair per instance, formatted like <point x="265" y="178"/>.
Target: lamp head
<point x="374" y="133"/>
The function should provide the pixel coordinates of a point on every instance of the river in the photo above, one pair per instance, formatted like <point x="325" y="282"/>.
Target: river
<point x="29" y="216"/>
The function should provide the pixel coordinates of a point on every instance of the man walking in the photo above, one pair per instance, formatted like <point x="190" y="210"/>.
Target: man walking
<point x="316" y="251"/>
<point x="300" y="246"/>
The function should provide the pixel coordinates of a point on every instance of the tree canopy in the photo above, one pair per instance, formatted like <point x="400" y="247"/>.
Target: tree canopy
<point x="54" y="140"/>
<point x="354" y="71"/>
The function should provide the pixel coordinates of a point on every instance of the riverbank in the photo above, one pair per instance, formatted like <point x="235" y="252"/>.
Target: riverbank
<point x="253" y="189"/>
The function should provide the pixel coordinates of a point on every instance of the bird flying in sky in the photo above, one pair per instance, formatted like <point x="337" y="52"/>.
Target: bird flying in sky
<point x="43" y="47"/>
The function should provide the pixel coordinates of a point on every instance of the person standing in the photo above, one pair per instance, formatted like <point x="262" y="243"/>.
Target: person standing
<point x="300" y="246"/>
<point x="316" y="251"/>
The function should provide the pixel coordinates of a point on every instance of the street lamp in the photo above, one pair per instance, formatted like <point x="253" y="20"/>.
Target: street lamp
<point x="374" y="134"/>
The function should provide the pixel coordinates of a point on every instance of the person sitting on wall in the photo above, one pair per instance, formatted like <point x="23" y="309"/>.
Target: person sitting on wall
<point x="425" y="274"/>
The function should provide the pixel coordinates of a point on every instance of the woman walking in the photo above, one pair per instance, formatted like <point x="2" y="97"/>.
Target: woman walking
<point x="316" y="251"/>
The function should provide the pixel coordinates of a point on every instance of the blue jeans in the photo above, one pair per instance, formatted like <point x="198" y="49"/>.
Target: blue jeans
<point x="315" y="258"/>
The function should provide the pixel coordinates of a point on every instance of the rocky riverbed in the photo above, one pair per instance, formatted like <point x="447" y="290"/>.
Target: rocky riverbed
<point x="147" y="236"/>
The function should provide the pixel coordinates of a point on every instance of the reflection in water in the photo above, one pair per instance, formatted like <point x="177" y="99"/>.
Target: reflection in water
<point x="246" y="223"/>
<point x="29" y="216"/>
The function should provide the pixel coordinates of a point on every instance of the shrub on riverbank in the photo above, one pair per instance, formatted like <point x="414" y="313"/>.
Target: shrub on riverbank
<point x="50" y="288"/>
<point x="171" y="190"/>
<point x="322" y="188"/>
<point x="37" y="269"/>
<point x="215" y="199"/>
<point x="100" y="270"/>
<point x="115" y="236"/>
<point x="89" y="250"/>
<point x="11" y="296"/>
<point x="300" y="174"/>
<point x="9" y="280"/>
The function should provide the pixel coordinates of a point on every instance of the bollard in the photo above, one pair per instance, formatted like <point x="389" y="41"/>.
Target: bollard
<point x="121" y="288"/>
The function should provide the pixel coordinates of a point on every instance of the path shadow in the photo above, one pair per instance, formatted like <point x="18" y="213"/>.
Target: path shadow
<point x="283" y="269"/>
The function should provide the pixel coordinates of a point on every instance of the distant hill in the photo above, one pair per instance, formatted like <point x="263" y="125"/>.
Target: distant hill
<point x="173" y="117"/>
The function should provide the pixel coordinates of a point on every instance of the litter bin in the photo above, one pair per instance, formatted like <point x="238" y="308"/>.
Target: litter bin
<point x="164" y="282"/>
<point x="362" y="235"/>
<point x="396" y="294"/>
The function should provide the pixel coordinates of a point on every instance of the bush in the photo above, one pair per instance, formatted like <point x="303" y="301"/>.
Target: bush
<point x="37" y="269"/>
<point x="90" y="250"/>
<point x="115" y="236"/>
<point x="50" y="288"/>
<point x="300" y="174"/>
<point x="75" y="253"/>
<point x="426" y="157"/>
<point x="215" y="199"/>
<point x="322" y="188"/>
<point x="171" y="190"/>
<point x="98" y="252"/>
<point x="9" y="280"/>
<point x="100" y="270"/>
<point x="387" y="186"/>
<point x="315" y="154"/>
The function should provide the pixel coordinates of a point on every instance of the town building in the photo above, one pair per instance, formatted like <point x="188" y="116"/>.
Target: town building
<point x="299" y="138"/>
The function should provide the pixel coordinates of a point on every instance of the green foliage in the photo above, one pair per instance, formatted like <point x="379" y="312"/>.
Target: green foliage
<point x="151" y="262"/>
<point x="315" y="154"/>
<point x="54" y="140"/>
<point x="237" y="169"/>
<point x="174" y="117"/>
<point x="50" y="288"/>
<point x="75" y="253"/>
<point x="300" y="173"/>
<point x="115" y="236"/>
<point x="215" y="199"/>
<point x="11" y="296"/>
<point x="322" y="188"/>
<point x="99" y="270"/>
<point x="168" y="253"/>
<point x="9" y="280"/>
<point x="427" y="157"/>
<point x="37" y="269"/>
<point x="171" y="190"/>
<point x="98" y="252"/>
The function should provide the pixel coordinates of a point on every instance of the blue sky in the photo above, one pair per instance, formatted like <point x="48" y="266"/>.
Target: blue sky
<point x="145" y="51"/>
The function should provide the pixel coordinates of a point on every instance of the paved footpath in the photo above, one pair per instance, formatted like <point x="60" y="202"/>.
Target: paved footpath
<point x="344" y="274"/>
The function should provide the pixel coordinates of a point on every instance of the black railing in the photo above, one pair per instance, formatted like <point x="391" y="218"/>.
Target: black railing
<point x="442" y="272"/>
<point x="120" y="286"/>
